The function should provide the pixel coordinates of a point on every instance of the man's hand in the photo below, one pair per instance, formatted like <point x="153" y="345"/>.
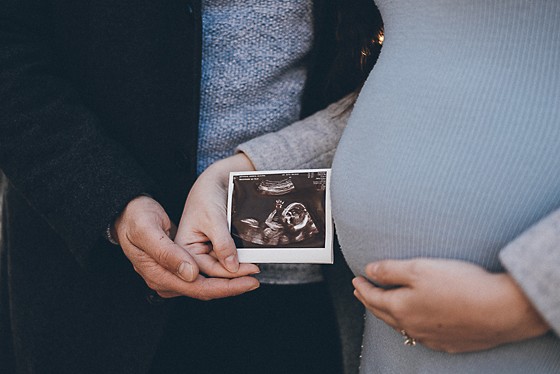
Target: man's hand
<point x="447" y="305"/>
<point x="204" y="217"/>
<point x="143" y="230"/>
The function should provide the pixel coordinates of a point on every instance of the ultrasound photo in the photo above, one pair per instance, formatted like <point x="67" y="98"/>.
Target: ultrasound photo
<point x="281" y="210"/>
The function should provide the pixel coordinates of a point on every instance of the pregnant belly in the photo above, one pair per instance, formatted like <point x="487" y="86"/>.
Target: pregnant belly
<point x="460" y="191"/>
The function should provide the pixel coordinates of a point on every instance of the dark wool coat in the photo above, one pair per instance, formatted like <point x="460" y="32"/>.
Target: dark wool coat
<point x="98" y="104"/>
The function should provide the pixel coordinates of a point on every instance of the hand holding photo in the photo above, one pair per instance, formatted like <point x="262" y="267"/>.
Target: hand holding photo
<point x="281" y="216"/>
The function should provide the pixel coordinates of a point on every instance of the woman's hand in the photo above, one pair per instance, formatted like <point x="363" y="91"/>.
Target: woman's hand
<point x="448" y="305"/>
<point x="204" y="221"/>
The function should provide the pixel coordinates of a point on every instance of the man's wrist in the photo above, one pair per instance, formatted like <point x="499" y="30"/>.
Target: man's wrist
<point x="110" y="231"/>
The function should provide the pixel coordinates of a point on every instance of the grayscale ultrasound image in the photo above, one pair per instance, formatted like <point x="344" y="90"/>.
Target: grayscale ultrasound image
<point x="279" y="210"/>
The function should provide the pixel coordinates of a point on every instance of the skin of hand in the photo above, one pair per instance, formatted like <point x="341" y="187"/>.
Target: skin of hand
<point x="204" y="216"/>
<point x="143" y="231"/>
<point x="449" y="305"/>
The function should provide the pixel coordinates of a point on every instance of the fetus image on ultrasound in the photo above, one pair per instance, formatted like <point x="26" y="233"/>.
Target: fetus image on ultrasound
<point x="279" y="210"/>
<point x="290" y="225"/>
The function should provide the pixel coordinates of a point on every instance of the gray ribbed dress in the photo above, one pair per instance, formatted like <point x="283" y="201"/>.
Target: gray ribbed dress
<point x="452" y="150"/>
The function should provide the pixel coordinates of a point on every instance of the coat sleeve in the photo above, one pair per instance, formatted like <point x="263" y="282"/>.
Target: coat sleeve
<point x="533" y="260"/>
<point x="51" y="146"/>
<point x="309" y="143"/>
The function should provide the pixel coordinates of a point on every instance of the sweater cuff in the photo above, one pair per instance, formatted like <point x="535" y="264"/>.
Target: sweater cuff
<point x="533" y="260"/>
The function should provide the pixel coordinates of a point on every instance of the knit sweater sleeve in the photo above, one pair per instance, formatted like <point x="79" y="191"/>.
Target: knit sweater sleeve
<point x="309" y="143"/>
<point x="533" y="260"/>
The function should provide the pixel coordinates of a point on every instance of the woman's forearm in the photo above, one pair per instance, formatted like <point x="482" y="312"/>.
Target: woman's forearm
<point x="309" y="143"/>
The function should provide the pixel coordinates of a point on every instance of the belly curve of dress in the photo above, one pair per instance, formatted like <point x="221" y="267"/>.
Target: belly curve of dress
<point x="451" y="151"/>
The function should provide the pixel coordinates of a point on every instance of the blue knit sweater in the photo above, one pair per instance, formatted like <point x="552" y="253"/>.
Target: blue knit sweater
<point x="253" y="75"/>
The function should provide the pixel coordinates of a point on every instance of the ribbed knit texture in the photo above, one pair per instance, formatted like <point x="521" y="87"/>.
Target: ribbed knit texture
<point x="452" y="151"/>
<point x="253" y="75"/>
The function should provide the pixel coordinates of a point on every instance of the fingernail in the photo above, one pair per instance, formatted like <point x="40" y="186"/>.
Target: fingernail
<point x="186" y="272"/>
<point x="254" y="288"/>
<point x="232" y="264"/>
<point x="356" y="281"/>
<point x="256" y="271"/>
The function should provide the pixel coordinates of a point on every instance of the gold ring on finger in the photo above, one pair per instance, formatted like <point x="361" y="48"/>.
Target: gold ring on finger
<point x="411" y="342"/>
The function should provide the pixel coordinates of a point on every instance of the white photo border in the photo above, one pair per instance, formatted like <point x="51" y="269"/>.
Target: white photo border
<point x="321" y="255"/>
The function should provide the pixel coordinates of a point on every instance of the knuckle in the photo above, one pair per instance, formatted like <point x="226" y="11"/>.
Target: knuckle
<point x="399" y="309"/>
<point x="138" y="227"/>
<point x="166" y="258"/>
<point x="382" y="274"/>
<point x="197" y="292"/>
<point x="198" y="248"/>
<point x="220" y="249"/>
<point x="222" y="246"/>
<point x="415" y="268"/>
<point x="151" y="284"/>
<point x="154" y="281"/>
<point x="136" y="234"/>
<point x="166" y="294"/>
<point x="202" y="291"/>
<point x="162" y="256"/>
<point x="230" y="289"/>
<point x="201" y="295"/>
